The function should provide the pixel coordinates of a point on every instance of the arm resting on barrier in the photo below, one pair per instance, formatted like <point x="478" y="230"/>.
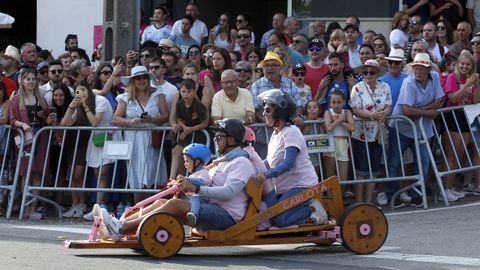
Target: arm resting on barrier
<point x="286" y="164"/>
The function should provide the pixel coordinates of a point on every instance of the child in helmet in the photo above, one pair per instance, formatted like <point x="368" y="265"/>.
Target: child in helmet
<point x="196" y="156"/>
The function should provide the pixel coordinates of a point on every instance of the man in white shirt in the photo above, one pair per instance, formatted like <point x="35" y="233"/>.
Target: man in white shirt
<point x="55" y="73"/>
<point x="199" y="30"/>
<point x="434" y="48"/>
<point x="351" y="35"/>
<point x="159" y="29"/>
<point x="157" y="67"/>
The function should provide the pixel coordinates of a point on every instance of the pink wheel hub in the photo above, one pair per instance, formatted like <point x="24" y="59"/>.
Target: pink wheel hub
<point x="162" y="236"/>
<point x="365" y="229"/>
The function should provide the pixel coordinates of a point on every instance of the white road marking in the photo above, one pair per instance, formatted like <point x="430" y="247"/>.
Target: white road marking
<point x="432" y="209"/>
<point x="465" y="261"/>
<point x="84" y="231"/>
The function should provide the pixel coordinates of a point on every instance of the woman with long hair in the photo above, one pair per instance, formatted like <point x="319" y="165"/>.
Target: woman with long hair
<point x="444" y="33"/>
<point x="29" y="111"/>
<point x="105" y="82"/>
<point x="220" y="62"/>
<point x="220" y="34"/>
<point x="399" y="34"/>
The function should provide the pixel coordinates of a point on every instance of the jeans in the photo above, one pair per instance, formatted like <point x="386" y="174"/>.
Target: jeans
<point x="394" y="158"/>
<point x="195" y="204"/>
<point x="295" y="215"/>
<point x="213" y="217"/>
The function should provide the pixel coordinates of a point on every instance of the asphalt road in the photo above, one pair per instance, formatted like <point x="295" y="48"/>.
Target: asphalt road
<point x="439" y="238"/>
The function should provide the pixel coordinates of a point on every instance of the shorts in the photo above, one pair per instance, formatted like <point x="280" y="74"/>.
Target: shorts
<point x="361" y="160"/>
<point x="213" y="217"/>
<point x="341" y="148"/>
<point x="461" y="120"/>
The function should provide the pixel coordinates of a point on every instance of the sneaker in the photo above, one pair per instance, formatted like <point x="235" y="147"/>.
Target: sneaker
<point x="405" y="198"/>
<point x="319" y="215"/>
<point x="416" y="202"/>
<point x="102" y="230"/>
<point x="449" y="195"/>
<point x="88" y="216"/>
<point x="76" y="211"/>
<point x="191" y="219"/>
<point x="382" y="199"/>
<point x="398" y="203"/>
<point x="113" y="225"/>
<point x="469" y="188"/>
<point x="458" y="194"/>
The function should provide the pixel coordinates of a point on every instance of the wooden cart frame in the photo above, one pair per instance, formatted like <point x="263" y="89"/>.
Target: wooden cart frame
<point x="361" y="228"/>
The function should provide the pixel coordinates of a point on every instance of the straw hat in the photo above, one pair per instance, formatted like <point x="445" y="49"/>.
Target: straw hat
<point x="396" y="55"/>
<point x="13" y="53"/>
<point x="421" y="59"/>
<point x="137" y="71"/>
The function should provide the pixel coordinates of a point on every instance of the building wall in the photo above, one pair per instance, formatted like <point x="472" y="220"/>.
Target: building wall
<point x="57" y="18"/>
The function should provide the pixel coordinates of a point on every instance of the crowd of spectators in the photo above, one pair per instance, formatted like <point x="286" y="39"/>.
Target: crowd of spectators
<point x="186" y="76"/>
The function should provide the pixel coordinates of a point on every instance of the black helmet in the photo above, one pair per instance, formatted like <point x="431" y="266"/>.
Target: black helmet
<point x="231" y="127"/>
<point x="284" y="104"/>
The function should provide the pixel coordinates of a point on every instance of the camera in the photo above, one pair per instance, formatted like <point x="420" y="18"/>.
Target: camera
<point x="79" y="93"/>
<point x="53" y="110"/>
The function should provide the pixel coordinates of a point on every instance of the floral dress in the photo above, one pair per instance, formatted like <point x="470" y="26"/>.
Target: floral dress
<point x="362" y="98"/>
<point x="142" y="167"/>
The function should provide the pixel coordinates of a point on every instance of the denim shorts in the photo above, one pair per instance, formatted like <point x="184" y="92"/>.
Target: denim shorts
<point x="361" y="160"/>
<point x="213" y="217"/>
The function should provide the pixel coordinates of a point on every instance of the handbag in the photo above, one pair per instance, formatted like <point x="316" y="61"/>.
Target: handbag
<point x="100" y="138"/>
<point x="157" y="137"/>
<point x="382" y="135"/>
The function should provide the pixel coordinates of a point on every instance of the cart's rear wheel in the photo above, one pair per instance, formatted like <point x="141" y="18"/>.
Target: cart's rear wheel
<point x="363" y="228"/>
<point x="161" y="235"/>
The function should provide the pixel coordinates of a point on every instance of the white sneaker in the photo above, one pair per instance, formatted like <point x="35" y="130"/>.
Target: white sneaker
<point x="405" y="198"/>
<point x="449" y="195"/>
<point x="382" y="199"/>
<point x="113" y="225"/>
<point x="191" y="219"/>
<point x="88" y="216"/>
<point x="76" y="211"/>
<point x="319" y="215"/>
<point x="458" y="194"/>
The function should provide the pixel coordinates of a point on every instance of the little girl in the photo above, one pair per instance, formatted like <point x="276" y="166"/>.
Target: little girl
<point x="339" y="122"/>
<point x="299" y="72"/>
<point x="338" y="44"/>
<point x="196" y="156"/>
<point x="313" y="113"/>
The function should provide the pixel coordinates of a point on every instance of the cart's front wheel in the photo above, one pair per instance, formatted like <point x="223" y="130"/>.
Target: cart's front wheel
<point x="363" y="228"/>
<point x="161" y="235"/>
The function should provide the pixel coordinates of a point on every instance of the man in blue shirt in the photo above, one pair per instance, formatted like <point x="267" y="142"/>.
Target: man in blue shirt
<point x="277" y="24"/>
<point x="420" y="97"/>
<point x="184" y="40"/>
<point x="394" y="77"/>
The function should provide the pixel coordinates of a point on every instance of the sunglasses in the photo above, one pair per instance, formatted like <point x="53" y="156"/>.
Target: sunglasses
<point x="441" y="27"/>
<point x="475" y="43"/>
<point x="393" y="62"/>
<point x="207" y="55"/>
<point x="315" y="49"/>
<point x="259" y="70"/>
<point x="267" y="110"/>
<point x="106" y="73"/>
<point x="222" y="20"/>
<point x="298" y="41"/>
<point x="194" y="53"/>
<point x="154" y="67"/>
<point x="56" y="71"/>
<point x="43" y="72"/>
<point x="240" y="70"/>
<point x="243" y="36"/>
<point x="371" y="72"/>
<point x="378" y="45"/>
<point x="239" y="21"/>
<point x="164" y="49"/>
<point x="296" y="74"/>
<point x="217" y="137"/>
<point x="413" y="22"/>
<point x="143" y="77"/>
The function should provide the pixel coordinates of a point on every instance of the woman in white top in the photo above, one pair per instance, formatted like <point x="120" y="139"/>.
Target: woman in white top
<point x="399" y="35"/>
<point x="371" y="102"/>
<point x="141" y="107"/>
<point x="220" y="34"/>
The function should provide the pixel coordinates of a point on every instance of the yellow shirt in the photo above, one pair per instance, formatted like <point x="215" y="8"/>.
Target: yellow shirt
<point x="223" y="107"/>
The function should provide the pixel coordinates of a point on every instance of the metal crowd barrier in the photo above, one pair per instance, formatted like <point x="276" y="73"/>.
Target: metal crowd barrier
<point x="418" y="185"/>
<point x="116" y="150"/>
<point x="11" y="161"/>
<point x="443" y="136"/>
